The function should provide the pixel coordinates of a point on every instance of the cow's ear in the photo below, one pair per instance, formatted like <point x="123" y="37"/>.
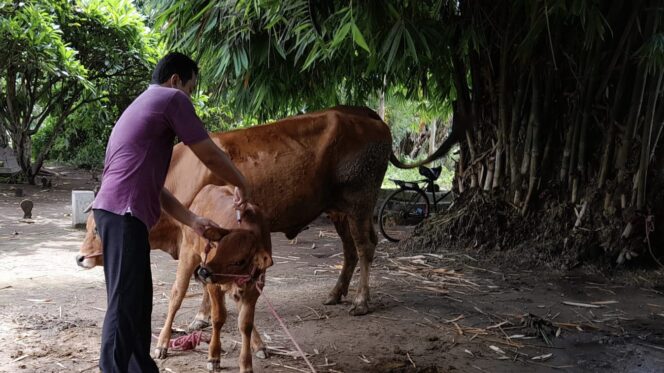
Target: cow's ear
<point x="215" y="234"/>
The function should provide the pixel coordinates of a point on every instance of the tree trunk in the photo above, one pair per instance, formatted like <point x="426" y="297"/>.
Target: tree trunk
<point x="23" y="148"/>
<point x="381" y="101"/>
<point x="4" y="138"/>
<point x="432" y="136"/>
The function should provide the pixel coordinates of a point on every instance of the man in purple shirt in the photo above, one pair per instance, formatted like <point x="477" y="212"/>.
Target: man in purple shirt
<point x="131" y="197"/>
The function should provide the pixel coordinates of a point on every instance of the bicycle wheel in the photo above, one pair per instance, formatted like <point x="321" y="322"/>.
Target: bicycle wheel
<point x="401" y="212"/>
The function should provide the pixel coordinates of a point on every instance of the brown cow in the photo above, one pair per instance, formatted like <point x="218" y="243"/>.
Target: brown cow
<point x="329" y="161"/>
<point x="243" y="250"/>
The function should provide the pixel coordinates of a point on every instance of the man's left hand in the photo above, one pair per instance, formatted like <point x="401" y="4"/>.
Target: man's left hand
<point x="199" y="224"/>
<point x="239" y="199"/>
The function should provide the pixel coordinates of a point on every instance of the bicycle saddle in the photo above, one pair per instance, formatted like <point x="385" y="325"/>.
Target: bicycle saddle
<point x="430" y="173"/>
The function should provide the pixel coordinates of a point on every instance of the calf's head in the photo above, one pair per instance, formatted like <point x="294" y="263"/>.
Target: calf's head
<point x="242" y="249"/>
<point x="89" y="254"/>
<point x="239" y="254"/>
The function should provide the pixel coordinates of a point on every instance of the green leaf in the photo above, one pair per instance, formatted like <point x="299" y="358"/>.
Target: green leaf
<point x="279" y="49"/>
<point x="315" y="52"/>
<point x="359" y="39"/>
<point x="411" y="45"/>
<point x="396" y="42"/>
<point x="340" y="35"/>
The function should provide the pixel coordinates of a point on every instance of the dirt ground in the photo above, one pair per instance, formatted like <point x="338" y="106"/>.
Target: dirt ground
<point x="444" y="312"/>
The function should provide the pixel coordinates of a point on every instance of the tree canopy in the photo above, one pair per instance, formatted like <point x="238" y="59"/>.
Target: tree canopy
<point x="59" y="56"/>
<point x="271" y="57"/>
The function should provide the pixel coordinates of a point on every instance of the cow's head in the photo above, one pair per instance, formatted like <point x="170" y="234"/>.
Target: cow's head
<point x="89" y="255"/>
<point x="245" y="251"/>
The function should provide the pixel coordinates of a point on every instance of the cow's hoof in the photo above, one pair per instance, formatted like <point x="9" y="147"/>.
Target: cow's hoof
<point x="160" y="352"/>
<point x="250" y="370"/>
<point x="359" y="309"/>
<point x="332" y="299"/>
<point x="198" y="324"/>
<point x="214" y="365"/>
<point x="261" y="354"/>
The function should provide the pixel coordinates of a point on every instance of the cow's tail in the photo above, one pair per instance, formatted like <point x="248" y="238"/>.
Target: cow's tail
<point x="459" y="127"/>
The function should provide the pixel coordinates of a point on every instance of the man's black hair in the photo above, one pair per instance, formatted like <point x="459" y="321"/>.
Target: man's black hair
<point x="174" y="63"/>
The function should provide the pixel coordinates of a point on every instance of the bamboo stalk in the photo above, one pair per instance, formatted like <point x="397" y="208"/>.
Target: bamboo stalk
<point x="566" y="154"/>
<point x="547" y="149"/>
<point x="627" y="137"/>
<point x="608" y="197"/>
<point x="572" y="158"/>
<point x="646" y="139"/>
<point x="525" y="161"/>
<point x="609" y="139"/>
<point x="471" y="150"/>
<point x="623" y="46"/>
<point x="606" y="155"/>
<point x="488" y="181"/>
<point x="633" y="118"/>
<point x="545" y="113"/>
<point x="502" y="111"/>
<point x="534" y="122"/>
<point x="581" y="163"/>
<point x="577" y="158"/>
<point x="460" y="173"/>
<point x="515" y="176"/>
<point x="498" y="167"/>
<point x="660" y="120"/>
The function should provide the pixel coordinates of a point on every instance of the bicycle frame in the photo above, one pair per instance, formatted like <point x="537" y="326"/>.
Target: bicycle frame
<point x="429" y="184"/>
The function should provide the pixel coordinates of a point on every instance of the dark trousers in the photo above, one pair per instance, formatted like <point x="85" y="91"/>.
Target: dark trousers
<point x="125" y="341"/>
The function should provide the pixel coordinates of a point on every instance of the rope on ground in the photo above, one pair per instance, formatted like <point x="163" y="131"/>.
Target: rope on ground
<point x="189" y="341"/>
<point x="283" y="326"/>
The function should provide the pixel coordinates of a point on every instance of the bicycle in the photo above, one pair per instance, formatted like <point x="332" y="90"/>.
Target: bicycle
<point x="407" y="206"/>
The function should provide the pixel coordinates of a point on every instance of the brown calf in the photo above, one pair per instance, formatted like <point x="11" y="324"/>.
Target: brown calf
<point x="235" y="264"/>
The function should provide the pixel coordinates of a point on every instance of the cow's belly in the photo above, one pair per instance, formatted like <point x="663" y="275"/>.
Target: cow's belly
<point x="291" y="188"/>
<point x="291" y="209"/>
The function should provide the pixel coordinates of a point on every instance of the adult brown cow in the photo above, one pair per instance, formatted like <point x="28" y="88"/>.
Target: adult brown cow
<point x="330" y="161"/>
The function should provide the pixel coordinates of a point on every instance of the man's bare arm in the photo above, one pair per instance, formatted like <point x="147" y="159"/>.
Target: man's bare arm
<point x="221" y="166"/>
<point x="173" y="207"/>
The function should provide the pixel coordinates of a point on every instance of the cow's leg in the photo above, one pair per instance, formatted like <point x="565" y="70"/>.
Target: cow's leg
<point x="245" y="323"/>
<point x="202" y="319"/>
<point x="350" y="260"/>
<point x="186" y="267"/>
<point x="257" y="345"/>
<point x="218" y="313"/>
<point x="365" y="239"/>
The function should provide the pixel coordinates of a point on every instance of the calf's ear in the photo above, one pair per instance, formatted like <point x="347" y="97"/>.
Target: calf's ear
<point x="215" y="234"/>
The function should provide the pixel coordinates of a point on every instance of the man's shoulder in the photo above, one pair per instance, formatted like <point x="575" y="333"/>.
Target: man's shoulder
<point x="156" y="99"/>
<point x="160" y="92"/>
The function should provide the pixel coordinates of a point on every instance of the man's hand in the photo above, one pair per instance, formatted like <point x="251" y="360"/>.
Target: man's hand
<point x="240" y="199"/>
<point x="199" y="224"/>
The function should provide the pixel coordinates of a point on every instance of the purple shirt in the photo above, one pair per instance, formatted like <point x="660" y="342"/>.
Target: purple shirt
<point x="139" y="152"/>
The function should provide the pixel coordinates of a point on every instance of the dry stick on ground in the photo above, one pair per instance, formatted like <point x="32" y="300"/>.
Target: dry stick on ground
<point x="579" y="215"/>
<point x="411" y="360"/>
<point x="290" y="367"/>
